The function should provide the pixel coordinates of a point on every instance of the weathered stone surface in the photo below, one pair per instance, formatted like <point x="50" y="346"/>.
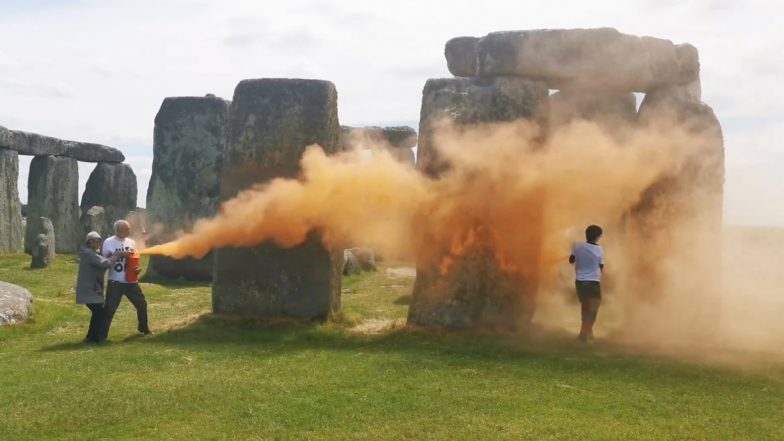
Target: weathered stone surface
<point x="11" y="228"/>
<point x="467" y="101"/>
<point x="365" y="257"/>
<point x="460" y="55"/>
<point x="112" y="187"/>
<point x="43" y="250"/>
<point x="271" y="123"/>
<point x="53" y="192"/>
<point x="684" y="206"/>
<point x="473" y="292"/>
<point x="94" y="219"/>
<point x="190" y="137"/>
<point x="588" y="59"/>
<point x="365" y="137"/>
<point x="39" y="145"/>
<point x="611" y="111"/>
<point x="16" y="304"/>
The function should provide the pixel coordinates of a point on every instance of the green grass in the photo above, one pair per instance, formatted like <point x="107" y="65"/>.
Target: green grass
<point x="205" y="377"/>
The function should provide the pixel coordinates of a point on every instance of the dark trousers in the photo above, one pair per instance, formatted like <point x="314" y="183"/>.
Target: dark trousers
<point x="95" y="332"/>
<point x="590" y="295"/>
<point x="114" y="294"/>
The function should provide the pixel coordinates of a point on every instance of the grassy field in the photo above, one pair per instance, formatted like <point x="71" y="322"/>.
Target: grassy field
<point x="362" y="376"/>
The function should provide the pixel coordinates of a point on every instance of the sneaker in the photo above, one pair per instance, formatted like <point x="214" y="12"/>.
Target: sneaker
<point x="146" y="331"/>
<point x="583" y="338"/>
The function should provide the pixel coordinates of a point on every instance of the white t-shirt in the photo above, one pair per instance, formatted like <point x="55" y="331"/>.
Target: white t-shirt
<point x="114" y="245"/>
<point x="587" y="258"/>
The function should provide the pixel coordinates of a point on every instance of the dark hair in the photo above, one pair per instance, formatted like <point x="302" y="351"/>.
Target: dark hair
<point x="593" y="232"/>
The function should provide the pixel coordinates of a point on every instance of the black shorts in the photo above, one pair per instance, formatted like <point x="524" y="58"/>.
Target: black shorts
<point x="587" y="289"/>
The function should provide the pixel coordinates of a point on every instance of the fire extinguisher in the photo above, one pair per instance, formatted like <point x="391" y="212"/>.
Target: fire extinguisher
<point x="131" y="263"/>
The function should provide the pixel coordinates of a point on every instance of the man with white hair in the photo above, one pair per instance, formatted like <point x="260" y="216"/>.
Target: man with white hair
<point x="119" y="285"/>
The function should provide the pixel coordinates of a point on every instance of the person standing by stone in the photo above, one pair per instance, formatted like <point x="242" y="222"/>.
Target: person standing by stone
<point x="89" y="284"/>
<point x="588" y="260"/>
<point x="119" y="285"/>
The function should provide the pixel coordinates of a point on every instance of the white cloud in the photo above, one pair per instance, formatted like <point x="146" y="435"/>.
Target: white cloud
<point x="98" y="71"/>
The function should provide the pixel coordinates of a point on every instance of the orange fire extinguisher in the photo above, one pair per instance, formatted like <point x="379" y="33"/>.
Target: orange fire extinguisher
<point x="131" y="263"/>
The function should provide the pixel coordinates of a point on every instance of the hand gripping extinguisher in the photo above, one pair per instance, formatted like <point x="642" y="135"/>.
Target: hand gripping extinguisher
<point x="131" y="263"/>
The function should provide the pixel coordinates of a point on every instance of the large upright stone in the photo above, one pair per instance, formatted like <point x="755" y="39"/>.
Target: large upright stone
<point x="190" y="138"/>
<point x="11" y="230"/>
<point x="271" y="123"/>
<point x="589" y="59"/>
<point x="683" y="206"/>
<point x="467" y="101"/>
<point x="112" y="187"/>
<point x="53" y="192"/>
<point x="473" y="291"/>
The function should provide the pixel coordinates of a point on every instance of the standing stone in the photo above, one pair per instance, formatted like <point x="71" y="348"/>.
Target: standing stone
<point x="684" y="206"/>
<point x="94" y="219"/>
<point x="473" y="291"/>
<point x="397" y="140"/>
<point x="467" y="101"/>
<point x="16" y="304"/>
<point x="43" y="249"/>
<point x="271" y="123"/>
<point x="112" y="187"/>
<point x="188" y="151"/>
<point x="11" y="229"/>
<point x="53" y="192"/>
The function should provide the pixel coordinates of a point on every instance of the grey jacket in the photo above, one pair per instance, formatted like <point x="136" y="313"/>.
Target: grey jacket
<point x="89" y="283"/>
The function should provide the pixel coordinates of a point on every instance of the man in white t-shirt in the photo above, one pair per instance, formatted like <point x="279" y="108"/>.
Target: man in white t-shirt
<point x="118" y="286"/>
<point x="588" y="260"/>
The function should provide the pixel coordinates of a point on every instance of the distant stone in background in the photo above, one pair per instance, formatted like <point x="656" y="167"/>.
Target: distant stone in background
<point x="94" y="219"/>
<point x="43" y="252"/>
<point x="271" y="123"/>
<point x="112" y="187"/>
<point x="351" y="264"/>
<point x="397" y="140"/>
<point x="11" y="227"/>
<point x="190" y="137"/>
<point x="372" y="136"/>
<point x="16" y="304"/>
<point x="365" y="257"/>
<point x="53" y="192"/>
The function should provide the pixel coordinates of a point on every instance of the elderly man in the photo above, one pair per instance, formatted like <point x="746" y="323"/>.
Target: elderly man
<point x="118" y="285"/>
<point x="89" y="283"/>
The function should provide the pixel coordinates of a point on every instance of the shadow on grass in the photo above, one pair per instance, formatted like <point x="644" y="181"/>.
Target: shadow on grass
<point x="218" y="334"/>
<point x="403" y="300"/>
<point x="174" y="283"/>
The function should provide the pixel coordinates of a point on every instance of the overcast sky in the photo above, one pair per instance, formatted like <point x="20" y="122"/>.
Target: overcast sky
<point x="98" y="70"/>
